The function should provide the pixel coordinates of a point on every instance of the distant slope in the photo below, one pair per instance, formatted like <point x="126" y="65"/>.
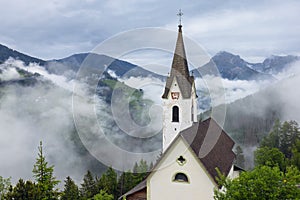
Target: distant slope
<point x="231" y="67"/>
<point x="275" y="64"/>
<point x="249" y="119"/>
<point x="72" y="63"/>
<point x="37" y="95"/>
<point x="6" y="53"/>
<point x="121" y="68"/>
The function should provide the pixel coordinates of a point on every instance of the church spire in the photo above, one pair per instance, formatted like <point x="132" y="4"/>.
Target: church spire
<point x="179" y="97"/>
<point x="179" y="64"/>
<point x="179" y="67"/>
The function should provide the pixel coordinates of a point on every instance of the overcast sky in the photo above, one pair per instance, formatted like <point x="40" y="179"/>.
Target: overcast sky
<point x="58" y="28"/>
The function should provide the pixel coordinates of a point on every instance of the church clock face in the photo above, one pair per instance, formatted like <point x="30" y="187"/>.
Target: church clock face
<point x="175" y="95"/>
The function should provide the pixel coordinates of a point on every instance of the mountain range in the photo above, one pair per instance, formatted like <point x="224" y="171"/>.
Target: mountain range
<point x="253" y="114"/>
<point x="230" y="66"/>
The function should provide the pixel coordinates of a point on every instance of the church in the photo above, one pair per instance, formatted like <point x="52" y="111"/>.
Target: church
<point x="190" y="157"/>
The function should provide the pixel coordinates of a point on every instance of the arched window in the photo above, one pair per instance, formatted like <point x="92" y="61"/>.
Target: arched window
<point x="175" y="114"/>
<point x="181" y="177"/>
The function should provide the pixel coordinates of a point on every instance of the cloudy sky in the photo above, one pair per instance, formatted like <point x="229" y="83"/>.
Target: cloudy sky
<point x="58" y="28"/>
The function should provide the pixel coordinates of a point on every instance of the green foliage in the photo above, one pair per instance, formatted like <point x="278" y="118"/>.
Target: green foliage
<point x="23" y="191"/>
<point x="102" y="195"/>
<point x="263" y="183"/>
<point x="271" y="157"/>
<point x="142" y="167"/>
<point x="138" y="107"/>
<point x="108" y="181"/>
<point x="283" y="136"/>
<point x="4" y="186"/>
<point x="288" y="136"/>
<point x="71" y="191"/>
<point x="295" y="160"/>
<point x="43" y="175"/>
<point x="272" y="140"/>
<point x="88" y="187"/>
<point x="140" y="171"/>
<point x="126" y="181"/>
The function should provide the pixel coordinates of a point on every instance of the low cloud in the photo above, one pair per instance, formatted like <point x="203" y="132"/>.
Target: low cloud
<point x="8" y="73"/>
<point x="29" y="114"/>
<point x="44" y="112"/>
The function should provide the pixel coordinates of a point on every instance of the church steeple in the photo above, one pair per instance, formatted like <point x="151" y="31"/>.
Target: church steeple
<point x="179" y="64"/>
<point x="179" y="97"/>
<point x="180" y="69"/>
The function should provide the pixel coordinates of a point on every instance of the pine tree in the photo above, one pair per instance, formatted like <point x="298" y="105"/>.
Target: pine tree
<point x="108" y="182"/>
<point x="295" y="160"/>
<point x="140" y="171"/>
<point x="125" y="182"/>
<point x="289" y="134"/>
<point x="283" y="136"/>
<point x="102" y="195"/>
<point x="272" y="140"/>
<point x="4" y="186"/>
<point x="23" y="191"/>
<point x="43" y="175"/>
<point x="71" y="191"/>
<point x="88" y="187"/>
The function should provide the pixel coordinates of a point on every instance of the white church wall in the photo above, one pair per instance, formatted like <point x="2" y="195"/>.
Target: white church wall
<point x="171" y="129"/>
<point x="160" y="184"/>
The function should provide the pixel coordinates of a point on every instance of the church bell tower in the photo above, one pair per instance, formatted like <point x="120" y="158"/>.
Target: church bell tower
<point x="179" y="97"/>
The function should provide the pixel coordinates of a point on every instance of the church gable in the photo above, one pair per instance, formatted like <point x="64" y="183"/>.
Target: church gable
<point x="185" y="170"/>
<point x="179" y="174"/>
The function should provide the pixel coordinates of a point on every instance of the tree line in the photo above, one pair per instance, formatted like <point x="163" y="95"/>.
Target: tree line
<point x="109" y="186"/>
<point x="276" y="173"/>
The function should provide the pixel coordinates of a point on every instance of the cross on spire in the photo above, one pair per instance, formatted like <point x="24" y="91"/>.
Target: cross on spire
<point x="179" y="14"/>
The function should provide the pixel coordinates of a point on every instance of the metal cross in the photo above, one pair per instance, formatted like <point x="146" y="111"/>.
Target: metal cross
<point x="180" y="13"/>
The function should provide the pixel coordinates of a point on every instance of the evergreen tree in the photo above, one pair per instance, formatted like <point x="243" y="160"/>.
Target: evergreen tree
<point x="88" y="187"/>
<point x="283" y="136"/>
<point x="71" y="191"/>
<point x="151" y="166"/>
<point x="108" y="182"/>
<point x="272" y="140"/>
<point x="135" y="168"/>
<point x="295" y="160"/>
<point x="142" y="167"/>
<point x="4" y="186"/>
<point x="289" y="133"/>
<point x="140" y="171"/>
<point x="43" y="175"/>
<point x="125" y="182"/>
<point x="23" y="191"/>
<point x="102" y="195"/>
<point x="240" y="159"/>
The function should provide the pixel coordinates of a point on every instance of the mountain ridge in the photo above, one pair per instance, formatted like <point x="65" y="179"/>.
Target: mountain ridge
<point x="230" y="66"/>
